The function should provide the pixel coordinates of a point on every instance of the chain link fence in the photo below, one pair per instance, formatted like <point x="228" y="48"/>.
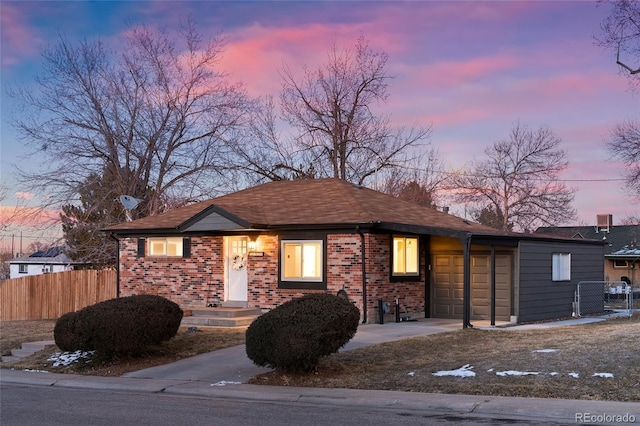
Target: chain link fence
<point x="594" y="297"/>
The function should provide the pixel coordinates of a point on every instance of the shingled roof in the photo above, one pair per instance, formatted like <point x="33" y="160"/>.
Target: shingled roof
<point x="309" y="203"/>
<point x="615" y="238"/>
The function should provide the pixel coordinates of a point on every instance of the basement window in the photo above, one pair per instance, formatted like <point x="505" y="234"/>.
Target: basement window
<point x="561" y="266"/>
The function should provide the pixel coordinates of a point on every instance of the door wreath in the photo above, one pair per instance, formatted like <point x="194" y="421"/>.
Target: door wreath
<point x="239" y="261"/>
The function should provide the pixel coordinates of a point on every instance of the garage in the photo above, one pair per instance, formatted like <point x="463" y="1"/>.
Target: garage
<point x="447" y="288"/>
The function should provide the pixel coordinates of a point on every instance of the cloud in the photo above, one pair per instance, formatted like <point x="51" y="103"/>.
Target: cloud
<point x="24" y="195"/>
<point x="17" y="35"/>
<point x="27" y="216"/>
<point x="257" y="53"/>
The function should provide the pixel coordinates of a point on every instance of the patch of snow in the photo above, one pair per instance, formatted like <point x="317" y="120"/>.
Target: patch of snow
<point x="553" y="374"/>
<point x="65" y="359"/>
<point x="490" y="370"/>
<point x="545" y="351"/>
<point x="35" y="371"/>
<point x="574" y="375"/>
<point x="225" y="383"/>
<point x="517" y="373"/>
<point x="605" y="375"/>
<point x="411" y="373"/>
<point x="464" y="371"/>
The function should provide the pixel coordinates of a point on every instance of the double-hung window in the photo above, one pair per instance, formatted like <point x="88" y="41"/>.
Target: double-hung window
<point x="405" y="256"/>
<point x="301" y="260"/>
<point x="561" y="266"/>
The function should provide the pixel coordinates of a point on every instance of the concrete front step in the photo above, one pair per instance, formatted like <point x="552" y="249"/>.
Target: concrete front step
<point x="226" y="312"/>
<point x="202" y="321"/>
<point x="27" y="349"/>
<point x="221" y="316"/>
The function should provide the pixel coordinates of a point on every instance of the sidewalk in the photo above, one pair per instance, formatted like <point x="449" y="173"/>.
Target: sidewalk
<point x="221" y="374"/>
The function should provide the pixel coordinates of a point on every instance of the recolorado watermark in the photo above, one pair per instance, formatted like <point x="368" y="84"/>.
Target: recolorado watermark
<point x="604" y="418"/>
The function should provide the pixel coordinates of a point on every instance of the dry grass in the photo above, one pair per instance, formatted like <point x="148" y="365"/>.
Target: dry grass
<point x="185" y="344"/>
<point x="14" y="333"/>
<point x="605" y="347"/>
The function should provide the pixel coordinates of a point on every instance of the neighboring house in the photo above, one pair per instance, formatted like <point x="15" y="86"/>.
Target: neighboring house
<point x="262" y="246"/>
<point x="621" y="245"/>
<point x="40" y="262"/>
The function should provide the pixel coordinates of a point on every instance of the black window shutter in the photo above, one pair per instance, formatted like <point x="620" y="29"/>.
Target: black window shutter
<point x="141" y="246"/>
<point x="186" y="247"/>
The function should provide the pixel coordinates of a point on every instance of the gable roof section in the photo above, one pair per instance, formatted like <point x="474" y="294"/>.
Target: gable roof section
<point x="307" y="204"/>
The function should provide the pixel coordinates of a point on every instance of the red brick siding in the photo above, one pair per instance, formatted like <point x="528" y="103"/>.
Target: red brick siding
<point x="199" y="280"/>
<point x="190" y="282"/>
<point x="410" y="294"/>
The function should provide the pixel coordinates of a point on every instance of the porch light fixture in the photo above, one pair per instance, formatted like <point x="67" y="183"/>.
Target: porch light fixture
<point x="252" y="247"/>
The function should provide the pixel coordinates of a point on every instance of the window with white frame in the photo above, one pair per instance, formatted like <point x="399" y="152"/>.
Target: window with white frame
<point x="561" y="266"/>
<point x="405" y="256"/>
<point x="301" y="260"/>
<point x="165" y="246"/>
<point x="619" y="263"/>
<point x="23" y="268"/>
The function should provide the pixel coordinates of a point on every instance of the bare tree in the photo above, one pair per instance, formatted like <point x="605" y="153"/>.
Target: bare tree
<point x="155" y="111"/>
<point x="338" y="134"/>
<point x="520" y="179"/>
<point x="265" y="152"/>
<point x="621" y="34"/>
<point x="624" y="145"/>
<point x="632" y="219"/>
<point x="419" y="183"/>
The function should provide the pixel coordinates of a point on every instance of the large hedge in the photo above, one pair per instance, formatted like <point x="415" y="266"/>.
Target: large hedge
<point x="295" y="335"/>
<point x="119" y="327"/>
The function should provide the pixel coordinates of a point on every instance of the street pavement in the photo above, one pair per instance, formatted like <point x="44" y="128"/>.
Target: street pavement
<point x="223" y="373"/>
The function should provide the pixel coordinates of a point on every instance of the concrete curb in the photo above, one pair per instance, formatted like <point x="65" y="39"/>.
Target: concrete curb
<point x="500" y="407"/>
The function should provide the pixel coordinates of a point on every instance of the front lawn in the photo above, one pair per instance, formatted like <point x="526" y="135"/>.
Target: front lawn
<point x="594" y="361"/>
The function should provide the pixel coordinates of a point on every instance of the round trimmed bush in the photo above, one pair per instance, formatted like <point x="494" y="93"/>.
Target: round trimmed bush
<point x="119" y="327"/>
<point x="295" y="335"/>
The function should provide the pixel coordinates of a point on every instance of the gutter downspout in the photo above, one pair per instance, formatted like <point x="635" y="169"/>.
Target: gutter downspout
<point x="364" y="275"/>
<point x="117" y="265"/>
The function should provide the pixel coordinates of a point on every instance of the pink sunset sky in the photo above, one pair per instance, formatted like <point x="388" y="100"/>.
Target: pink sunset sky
<point x="469" y="70"/>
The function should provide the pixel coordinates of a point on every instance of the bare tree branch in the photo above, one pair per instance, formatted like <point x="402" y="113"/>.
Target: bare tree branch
<point x="518" y="182"/>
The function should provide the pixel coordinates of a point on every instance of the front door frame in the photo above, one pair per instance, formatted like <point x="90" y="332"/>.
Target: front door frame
<point x="236" y="275"/>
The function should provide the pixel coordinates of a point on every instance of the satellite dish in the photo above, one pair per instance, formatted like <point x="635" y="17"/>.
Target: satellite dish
<point x="129" y="204"/>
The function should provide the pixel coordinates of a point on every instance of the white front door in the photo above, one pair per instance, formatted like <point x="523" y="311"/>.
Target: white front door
<point x="236" y="269"/>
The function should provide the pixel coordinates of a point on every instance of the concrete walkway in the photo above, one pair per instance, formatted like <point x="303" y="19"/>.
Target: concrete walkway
<point x="233" y="365"/>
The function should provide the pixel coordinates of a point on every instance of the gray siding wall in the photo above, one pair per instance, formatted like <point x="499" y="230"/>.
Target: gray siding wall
<point x="540" y="298"/>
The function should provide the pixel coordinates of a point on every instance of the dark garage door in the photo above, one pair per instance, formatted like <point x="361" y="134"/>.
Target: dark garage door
<point x="448" y="281"/>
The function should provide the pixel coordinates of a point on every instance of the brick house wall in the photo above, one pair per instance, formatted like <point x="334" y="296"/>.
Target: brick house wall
<point x="198" y="280"/>
<point x="190" y="282"/>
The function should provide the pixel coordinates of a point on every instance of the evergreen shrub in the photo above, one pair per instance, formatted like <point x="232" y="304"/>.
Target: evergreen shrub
<point x="295" y="335"/>
<point x="119" y="327"/>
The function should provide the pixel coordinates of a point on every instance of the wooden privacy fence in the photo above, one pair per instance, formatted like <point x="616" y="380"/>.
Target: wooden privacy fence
<point x="49" y="296"/>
